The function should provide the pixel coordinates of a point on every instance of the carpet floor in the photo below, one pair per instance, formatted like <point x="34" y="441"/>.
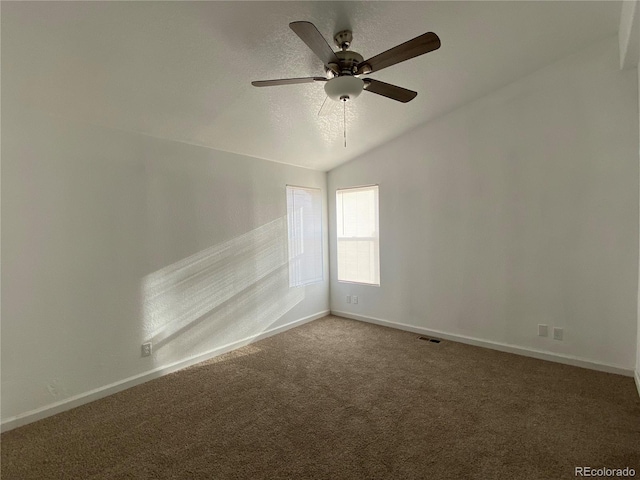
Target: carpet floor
<point x="341" y="399"/>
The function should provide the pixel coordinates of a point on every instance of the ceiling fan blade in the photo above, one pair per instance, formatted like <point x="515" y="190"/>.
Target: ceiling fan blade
<point x="327" y="108"/>
<point x="287" y="81"/>
<point x="390" y="91"/>
<point x="413" y="48"/>
<point x="310" y="35"/>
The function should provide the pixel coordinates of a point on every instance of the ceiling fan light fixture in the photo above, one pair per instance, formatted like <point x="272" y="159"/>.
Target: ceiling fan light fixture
<point x="344" y="88"/>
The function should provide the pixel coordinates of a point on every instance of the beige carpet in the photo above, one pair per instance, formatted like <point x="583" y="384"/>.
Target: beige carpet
<point x="340" y="399"/>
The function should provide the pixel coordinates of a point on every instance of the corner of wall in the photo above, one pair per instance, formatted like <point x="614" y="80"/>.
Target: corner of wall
<point x="629" y="34"/>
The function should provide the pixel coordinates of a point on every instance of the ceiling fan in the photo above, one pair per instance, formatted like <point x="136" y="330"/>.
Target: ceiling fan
<point x="343" y="68"/>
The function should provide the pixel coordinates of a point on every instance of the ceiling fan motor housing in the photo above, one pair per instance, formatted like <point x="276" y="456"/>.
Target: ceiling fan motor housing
<point x="348" y="59"/>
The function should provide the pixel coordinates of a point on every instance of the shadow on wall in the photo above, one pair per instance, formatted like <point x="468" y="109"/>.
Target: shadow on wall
<point x="219" y="295"/>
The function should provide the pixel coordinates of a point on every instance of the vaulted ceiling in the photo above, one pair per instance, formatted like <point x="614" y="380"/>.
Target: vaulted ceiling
<point x="182" y="70"/>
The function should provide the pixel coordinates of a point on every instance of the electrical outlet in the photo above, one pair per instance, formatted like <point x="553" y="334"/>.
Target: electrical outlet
<point x="146" y="349"/>
<point x="543" y="330"/>
<point x="348" y="298"/>
<point x="355" y="299"/>
<point x="557" y="333"/>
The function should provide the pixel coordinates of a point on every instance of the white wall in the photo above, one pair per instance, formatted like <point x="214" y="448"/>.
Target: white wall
<point x="111" y="239"/>
<point x="517" y="209"/>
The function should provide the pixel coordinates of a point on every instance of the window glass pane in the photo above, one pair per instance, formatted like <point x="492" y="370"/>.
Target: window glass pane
<point x="358" y="237"/>
<point x="304" y="222"/>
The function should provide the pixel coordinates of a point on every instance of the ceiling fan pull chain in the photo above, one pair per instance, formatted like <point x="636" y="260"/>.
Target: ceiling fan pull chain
<point x="344" y="121"/>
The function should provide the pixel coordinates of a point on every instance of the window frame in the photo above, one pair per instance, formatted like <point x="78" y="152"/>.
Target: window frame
<point x="374" y="239"/>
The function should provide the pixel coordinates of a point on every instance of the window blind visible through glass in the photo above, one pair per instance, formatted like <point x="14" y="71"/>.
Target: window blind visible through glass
<point x="358" y="235"/>
<point x="304" y="223"/>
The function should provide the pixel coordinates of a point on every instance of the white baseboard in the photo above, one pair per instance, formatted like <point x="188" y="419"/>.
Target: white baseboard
<point x="101" y="392"/>
<point x="503" y="347"/>
<point x="637" y="378"/>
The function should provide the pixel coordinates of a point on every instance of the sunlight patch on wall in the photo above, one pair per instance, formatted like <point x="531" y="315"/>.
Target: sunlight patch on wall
<point x="227" y="291"/>
<point x="253" y="312"/>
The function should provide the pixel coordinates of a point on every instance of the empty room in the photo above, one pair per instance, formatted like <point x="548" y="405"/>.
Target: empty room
<point x="314" y="239"/>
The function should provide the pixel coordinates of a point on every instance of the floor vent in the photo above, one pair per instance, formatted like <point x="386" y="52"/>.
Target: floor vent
<point x="432" y="340"/>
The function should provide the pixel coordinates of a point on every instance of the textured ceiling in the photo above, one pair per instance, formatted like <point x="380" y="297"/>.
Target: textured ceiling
<point x="182" y="70"/>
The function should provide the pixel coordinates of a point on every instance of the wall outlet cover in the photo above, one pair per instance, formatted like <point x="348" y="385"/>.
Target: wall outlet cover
<point x="348" y="298"/>
<point x="355" y="299"/>
<point x="543" y="330"/>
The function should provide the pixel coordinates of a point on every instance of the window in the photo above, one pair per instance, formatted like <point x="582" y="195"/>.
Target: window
<point x="358" y="237"/>
<point x="304" y="224"/>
